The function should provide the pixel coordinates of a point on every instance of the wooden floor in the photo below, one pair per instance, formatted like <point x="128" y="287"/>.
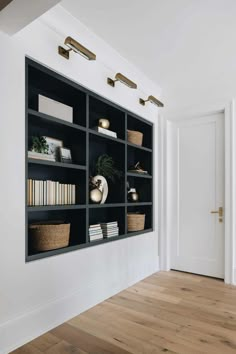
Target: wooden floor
<point x="169" y="312"/>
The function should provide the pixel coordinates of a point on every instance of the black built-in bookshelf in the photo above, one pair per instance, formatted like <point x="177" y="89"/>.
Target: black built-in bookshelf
<point x="86" y="145"/>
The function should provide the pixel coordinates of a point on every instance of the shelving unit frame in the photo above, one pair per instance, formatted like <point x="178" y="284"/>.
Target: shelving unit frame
<point x="95" y="143"/>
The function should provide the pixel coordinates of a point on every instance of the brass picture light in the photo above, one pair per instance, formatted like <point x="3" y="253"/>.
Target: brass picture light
<point x="77" y="48"/>
<point x="124" y="80"/>
<point x="153" y="100"/>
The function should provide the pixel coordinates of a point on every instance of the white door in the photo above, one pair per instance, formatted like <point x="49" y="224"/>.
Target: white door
<point x="197" y="189"/>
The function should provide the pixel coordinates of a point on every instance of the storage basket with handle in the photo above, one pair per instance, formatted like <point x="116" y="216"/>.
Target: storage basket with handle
<point x="49" y="236"/>
<point x="135" y="221"/>
<point x="135" y="137"/>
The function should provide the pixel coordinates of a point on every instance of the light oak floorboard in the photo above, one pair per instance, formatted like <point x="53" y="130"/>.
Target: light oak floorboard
<point x="168" y="312"/>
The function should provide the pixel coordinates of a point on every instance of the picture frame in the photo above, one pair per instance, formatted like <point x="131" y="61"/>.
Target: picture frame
<point x="65" y="155"/>
<point x="53" y="147"/>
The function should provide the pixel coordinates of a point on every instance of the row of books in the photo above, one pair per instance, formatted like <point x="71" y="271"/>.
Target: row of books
<point x="50" y="193"/>
<point x="103" y="230"/>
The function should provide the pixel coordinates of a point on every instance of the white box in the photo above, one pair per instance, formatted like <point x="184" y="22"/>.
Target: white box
<point x="55" y="109"/>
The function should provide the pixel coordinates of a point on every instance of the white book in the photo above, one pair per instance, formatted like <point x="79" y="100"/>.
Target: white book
<point x="44" y="192"/>
<point x="48" y="193"/>
<point x="109" y="223"/>
<point x="58" y="194"/>
<point x="37" y="194"/>
<point x="41" y="192"/>
<point x="96" y="238"/>
<point x="106" y="132"/>
<point x="51" y="193"/>
<point x="110" y="233"/>
<point x="33" y="193"/>
<point x="70" y="197"/>
<point x="73" y="194"/>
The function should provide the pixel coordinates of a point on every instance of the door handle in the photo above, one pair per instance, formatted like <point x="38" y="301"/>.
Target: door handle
<point x="219" y="211"/>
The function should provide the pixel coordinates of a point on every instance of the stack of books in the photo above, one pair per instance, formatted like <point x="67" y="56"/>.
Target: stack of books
<point x="39" y="156"/>
<point x="95" y="232"/>
<point x="110" y="229"/>
<point x="41" y="193"/>
<point x="106" y="131"/>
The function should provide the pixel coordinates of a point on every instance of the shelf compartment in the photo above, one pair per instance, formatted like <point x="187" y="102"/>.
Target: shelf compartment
<point x="143" y="187"/>
<point x="98" y="147"/>
<point x="134" y="123"/>
<point x="73" y="139"/>
<point x="147" y="210"/>
<point x="61" y="175"/>
<point x="136" y="155"/>
<point x="100" y="215"/>
<point x="48" y="83"/>
<point x="99" y="108"/>
<point x="77" y="219"/>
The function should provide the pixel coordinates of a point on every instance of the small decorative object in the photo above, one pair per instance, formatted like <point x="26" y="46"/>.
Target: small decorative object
<point x="53" y="146"/>
<point x="65" y="155"/>
<point x="102" y="185"/>
<point x="135" y="221"/>
<point x="104" y="123"/>
<point x="55" y="109"/>
<point x="95" y="194"/>
<point x="47" y="236"/>
<point x="135" y="137"/>
<point x="104" y="169"/>
<point x="39" y="145"/>
<point x="133" y="195"/>
<point x="137" y="169"/>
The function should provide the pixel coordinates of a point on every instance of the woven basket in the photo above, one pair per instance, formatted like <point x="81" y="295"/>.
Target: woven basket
<point x="135" y="221"/>
<point x="135" y="137"/>
<point x="45" y="237"/>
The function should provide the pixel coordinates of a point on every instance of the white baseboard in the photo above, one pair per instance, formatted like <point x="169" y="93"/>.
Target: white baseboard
<point x="29" y="326"/>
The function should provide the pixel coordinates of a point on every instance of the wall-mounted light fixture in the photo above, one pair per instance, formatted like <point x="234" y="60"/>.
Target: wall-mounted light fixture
<point x="124" y="80"/>
<point x="153" y="100"/>
<point x="77" y="48"/>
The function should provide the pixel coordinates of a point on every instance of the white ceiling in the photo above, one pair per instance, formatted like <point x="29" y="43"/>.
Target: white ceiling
<point x="188" y="47"/>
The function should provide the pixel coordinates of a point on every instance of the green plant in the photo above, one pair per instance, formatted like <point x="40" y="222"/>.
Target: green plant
<point x="39" y="144"/>
<point x="105" y="166"/>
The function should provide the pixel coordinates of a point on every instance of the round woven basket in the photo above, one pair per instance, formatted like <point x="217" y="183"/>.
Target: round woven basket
<point x="135" y="221"/>
<point x="135" y="137"/>
<point x="49" y="237"/>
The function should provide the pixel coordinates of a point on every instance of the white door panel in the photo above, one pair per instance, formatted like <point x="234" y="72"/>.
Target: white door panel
<point x="197" y="238"/>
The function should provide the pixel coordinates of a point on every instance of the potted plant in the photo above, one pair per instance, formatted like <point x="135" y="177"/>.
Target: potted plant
<point x="39" y="145"/>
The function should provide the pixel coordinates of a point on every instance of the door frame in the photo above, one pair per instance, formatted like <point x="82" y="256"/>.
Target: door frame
<point x="228" y="111"/>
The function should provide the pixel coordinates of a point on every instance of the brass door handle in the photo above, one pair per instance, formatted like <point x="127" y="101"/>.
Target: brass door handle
<point x="220" y="212"/>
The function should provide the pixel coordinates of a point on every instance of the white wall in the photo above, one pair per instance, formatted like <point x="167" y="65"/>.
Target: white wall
<point x="36" y="296"/>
